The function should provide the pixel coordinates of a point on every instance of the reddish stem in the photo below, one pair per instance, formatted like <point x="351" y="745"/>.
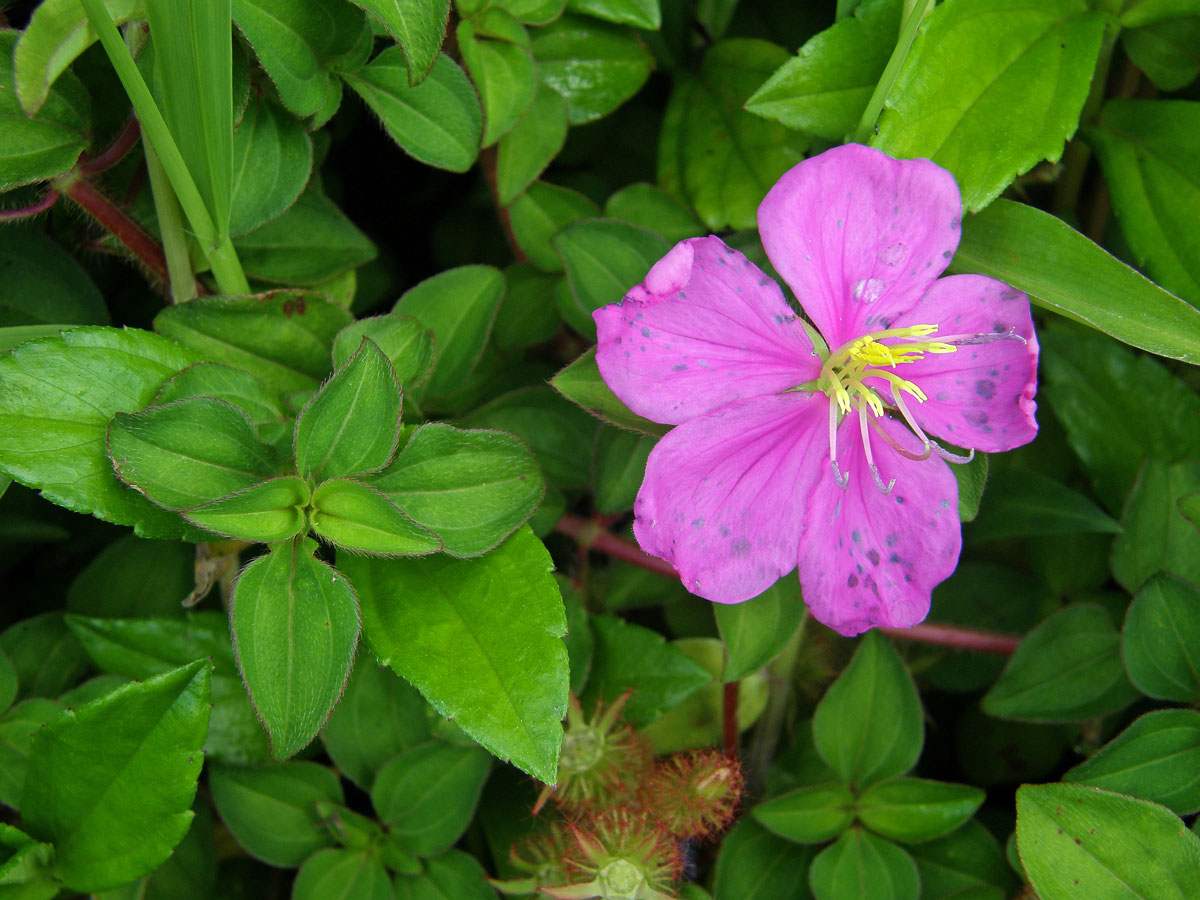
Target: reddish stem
<point x="729" y="717"/>
<point x="122" y="226"/>
<point x="46" y="201"/>
<point x="591" y="535"/>
<point x="113" y="153"/>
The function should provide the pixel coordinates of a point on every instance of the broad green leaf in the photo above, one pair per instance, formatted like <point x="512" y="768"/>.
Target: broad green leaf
<point x="595" y="66"/>
<point x="582" y="383"/>
<point x="268" y="511"/>
<point x="916" y="809"/>
<point x="189" y="873"/>
<point x="530" y="145"/>
<point x="972" y="479"/>
<point x="46" y="145"/>
<point x="630" y="657"/>
<point x="352" y="424"/>
<point x="825" y="88"/>
<point x="1165" y="50"/>
<point x="378" y="717"/>
<point x="453" y="874"/>
<point x="344" y="874"/>
<point x="283" y="339"/>
<point x="528" y="313"/>
<point x="1146" y="12"/>
<point x="538" y="214"/>
<point x="755" y="631"/>
<point x="57" y="396"/>
<point x="861" y="866"/>
<point x="603" y="258"/>
<point x="458" y="306"/>
<point x="1157" y="758"/>
<point x="272" y="161"/>
<point x="144" y="647"/>
<point x="418" y="28"/>
<point x="637" y="13"/>
<point x="408" y="345"/>
<point x="991" y="88"/>
<point x="14" y="336"/>
<point x="8" y="681"/>
<point x="47" y="657"/>
<point x="312" y="242"/>
<point x="43" y="284"/>
<point x="754" y="864"/>
<point x="236" y="386"/>
<point x="17" y="729"/>
<point x="272" y="810"/>
<point x="189" y="452"/>
<point x="712" y="153"/>
<point x="1078" y="842"/>
<point x="1066" y="670"/>
<point x="1147" y="150"/>
<point x="502" y="71"/>
<point x="437" y="122"/>
<point x="480" y="638"/>
<point x="967" y="864"/>
<point x="26" y="869"/>
<point x="1063" y="271"/>
<point x="1028" y="503"/>
<point x="1160" y="642"/>
<point x="581" y="643"/>
<point x="295" y="625"/>
<point x="1156" y="537"/>
<point x="535" y="12"/>
<point x="470" y="488"/>
<point x="354" y="516"/>
<point x="868" y="725"/>
<point x="427" y="795"/>
<point x="618" y="466"/>
<point x="111" y="783"/>
<point x="651" y="207"/>
<point x="809" y="815"/>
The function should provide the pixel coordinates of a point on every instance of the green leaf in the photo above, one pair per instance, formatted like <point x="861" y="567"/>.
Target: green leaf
<point x="427" y="795"/>
<point x="863" y="744"/>
<point x="295" y="625"/>
<point x="312" y="242"/>
<point x="861" y="866"/>
<point x="825" y="88"/>
<point x="355" y="516"/>
<point x="595" y="66"/>
<point x="283" y="339"/>
<point x="46" y="145"/>
<point x="189" y="452"/>
<point x="43" y="284"/>
<point x="1156" y="537"/>
<point x="528" y="313"/>
<point x="437" y="122"/>
<point x="471" y="488"/>
<point x="1160" y="642"/>
<point x="17" y="729"/>
<point x="535" y="12"/>
<point x="26" y="869"/>
<point x="344" y="874"/>
<point x="916" y="809"/>
<point x="503" y="72"/>
<point x="236" y="386"/>
<point x="272" y="161"/>
<point x="144" y="647"/>
<point x="352" y="424"/>
<point x="1005" y="81"/>
<point x="603" y="258"/>
<point x="1164" y="50"/>
<point x="637" y="13"/>
<point x="755" y="631"/>
<point x="407" y="344"/>
<point x="531" y="144"/>
<point x="272" y="810"/>
<point x="111" y="783"/>
<point x="379" y="716"/>
<point x="618" y="466"/>
<point x="1146" y="12"/>
<point x="453" y="874"/>
<point x="967" y="864"/>
<point x="754" y="864"/>
<point x="581" y="644"/>
<point x="480" y="638"/>
<point x="972" y="478"/>
<point x="269" y="511"/>
<point x="1029" y="503"/>
<point x="458" y="306"/>
<point x="582" y="383"/>
<point x="1066" y="670"/>
<point x="809" y="815"/>
<point x="1063" y="271"/>
<point x="57" y="396"/>
<point x="712" y="153"/>
<point x="630" y="657"/>
<point x="1157" y="758"/>
<point x="651" y="207"/>
<point x="8" y="681"/>
<point x="538" y="214"/>
<point x="47" y="656"/>
<point x="418" y="28"/>
<point x="1078" y="842"/>
<point x="1146" y="149"/>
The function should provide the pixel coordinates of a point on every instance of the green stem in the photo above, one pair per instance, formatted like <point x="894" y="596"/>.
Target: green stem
<point x="170" y="227"/>
<point x="908" y="32"/>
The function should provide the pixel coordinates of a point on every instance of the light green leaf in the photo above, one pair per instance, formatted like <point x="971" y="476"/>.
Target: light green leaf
<point x="418" y="28"/>
<point x="357" y="517"/>
<point x="453" y="874"/>
<point x="503" y="72"/>
<point x="528" y="314"/>
<point x="408" y="345"/>
<point x="861" y="866"/>
<point x="1156" y="537"/>
<point x="651" y="207"/>
<point x="530" y="145"/>
<point x="809" y="815"/>
<point x="638" y="13"/>
<point x="1145" y="12"/>
<point x="43" y="284"/>
<point x="581" y="383"/>
<point x="236" y="386"/>
<point x="916" y="809"/>
<point x="1160" y="641"/>
<point x="344" y="874"/>
<point x="595" y="66"/>
<point x="272" y="161"/>
<point x="538" y="214"/>
<point x="755" y="631"/>
<point x="269" y="511"/>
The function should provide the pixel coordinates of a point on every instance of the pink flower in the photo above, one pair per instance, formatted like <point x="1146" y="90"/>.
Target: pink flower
<point x="789" y="454"/>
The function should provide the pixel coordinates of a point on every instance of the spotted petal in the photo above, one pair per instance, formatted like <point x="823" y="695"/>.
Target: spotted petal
<point x="868" y="558"/>
<point x="723" y="497"/>
<point x="860" y="236"/>
<point x="705" y="328"/>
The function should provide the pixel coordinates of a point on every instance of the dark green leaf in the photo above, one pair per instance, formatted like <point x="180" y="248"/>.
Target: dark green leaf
<point x="582" y="383"/>
<point x="272" y="161"/>
<point x="535" y="12"/>
<point x="755" y="631"/>
<point x="503" y="71"/>
<point x="652" y="207"/>
<point x="1165" y="51"/>
<point x="538" y="214"/>
<point x="47" y="656"/>
<point x="528" y="314"/>
<point x="26" y="869"/>
<point x="756" y="865"/>
<point x="418" y="28"/>
<point x="526" y="150"/>
<point x="453" y="875"/>
<point x="342" y="874"/>
<point x="357" y="517"/>
<point x="618" y="466"/>
<point x="581" y="644"/>
<point x="407" y="344"/>
<point x="17" y="728"/>
<point x="43" y="284"/>
<point x="1160" y="642"/>
<point x="915" y="809"/>
<point x="638" y="13"/>
<point x="1156" y="537"/>
<point x="967" y="864"/>
<point x="8" y="681"/>
<point x="972" y="478"/>
<point x="861" y="866"/>
<point x="236" y="386"/>
<point x="269" y="511"/>
<point x="809" y="815"/>
<point x="595" y="66"/>
<point x="1028" y="503"/>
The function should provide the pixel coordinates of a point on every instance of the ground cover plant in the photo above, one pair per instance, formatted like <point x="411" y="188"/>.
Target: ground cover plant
<point x="626" y="449"/>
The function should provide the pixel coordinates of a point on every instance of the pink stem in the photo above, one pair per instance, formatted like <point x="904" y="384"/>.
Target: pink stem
<point x="47" y="200"/>
<point x="112" y="154"/>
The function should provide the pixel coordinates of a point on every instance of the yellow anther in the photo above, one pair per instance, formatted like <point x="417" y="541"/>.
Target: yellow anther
<point x="871" y="352"/>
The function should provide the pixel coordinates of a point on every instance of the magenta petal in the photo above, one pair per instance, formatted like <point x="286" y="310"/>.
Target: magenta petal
<point x="859" y="236"/>
<point x="980" y="396"/>
<point x="704" y="329"/>
<point x="723" y="497"/>
<point x="868" y="558"/>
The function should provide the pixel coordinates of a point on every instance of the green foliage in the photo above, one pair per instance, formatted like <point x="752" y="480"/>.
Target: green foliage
<point x="861" y="866"/>
<point x="757" y="630"/>
<point x="595" y="67"/>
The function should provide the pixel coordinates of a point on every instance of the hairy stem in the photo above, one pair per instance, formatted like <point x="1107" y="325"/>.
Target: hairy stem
<point x="119" y="223"/>
<point x="114" y="152"/>
<point x="47" y="200"/>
